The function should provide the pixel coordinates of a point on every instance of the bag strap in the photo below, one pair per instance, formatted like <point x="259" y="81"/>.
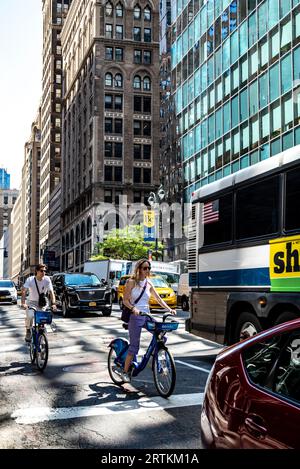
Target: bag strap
<point x="37" y="286"/>
<point x="143" y="291"/>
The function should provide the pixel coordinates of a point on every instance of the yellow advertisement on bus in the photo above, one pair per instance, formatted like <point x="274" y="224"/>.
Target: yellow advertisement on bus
<point x="285" y="264"/>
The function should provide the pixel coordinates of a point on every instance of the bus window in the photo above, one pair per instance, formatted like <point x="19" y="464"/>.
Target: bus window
<point x="292" y="214"/>
<point x="257" y="209"/>
<point x="217" y="220"/>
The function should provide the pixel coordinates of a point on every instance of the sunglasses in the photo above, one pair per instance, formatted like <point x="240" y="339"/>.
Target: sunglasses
<point x="146" y="268"/>
<point x="43" y="270"/>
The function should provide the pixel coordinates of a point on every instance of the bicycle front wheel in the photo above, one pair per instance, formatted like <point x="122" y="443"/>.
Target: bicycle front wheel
<point x="32" y="349"/>
<point x="113" y="369"/>
<point x="42" y="351"/>
<point x="164" y="372"/>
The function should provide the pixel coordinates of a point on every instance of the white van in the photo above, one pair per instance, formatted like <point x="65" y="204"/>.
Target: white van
<point x="183" y="294"/>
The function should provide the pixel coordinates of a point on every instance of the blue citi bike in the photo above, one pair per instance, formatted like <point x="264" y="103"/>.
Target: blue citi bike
<point x="38" y="345"/>
<point x="163" y="365"/>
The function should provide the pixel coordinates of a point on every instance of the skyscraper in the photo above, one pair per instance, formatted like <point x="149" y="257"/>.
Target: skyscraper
<point x="235" y="75"/>
<point x="54" y="14"/>
<point x="4" y="179"/>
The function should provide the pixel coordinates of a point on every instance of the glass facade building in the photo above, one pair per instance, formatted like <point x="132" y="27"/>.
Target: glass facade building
<point x="236" y="77"/>
<point x="4" y="179"/>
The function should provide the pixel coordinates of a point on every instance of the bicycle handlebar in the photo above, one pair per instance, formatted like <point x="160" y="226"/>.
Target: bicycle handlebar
<point x="165" y="316"/>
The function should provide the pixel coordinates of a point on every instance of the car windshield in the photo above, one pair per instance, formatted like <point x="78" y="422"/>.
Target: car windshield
<point x="169" y="277"/>
<point x="80" y="279"/>
<point x="159" y="282"/>
<point x="6" y="284"/>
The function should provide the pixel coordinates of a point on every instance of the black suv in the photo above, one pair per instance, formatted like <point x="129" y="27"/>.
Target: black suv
<point x="81" y="292"/>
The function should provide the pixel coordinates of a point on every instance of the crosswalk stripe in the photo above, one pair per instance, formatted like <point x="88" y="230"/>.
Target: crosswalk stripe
<point x="33" y="415"/>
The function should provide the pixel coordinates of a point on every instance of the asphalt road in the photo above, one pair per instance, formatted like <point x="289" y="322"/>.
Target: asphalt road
<point x="74" y="404"/>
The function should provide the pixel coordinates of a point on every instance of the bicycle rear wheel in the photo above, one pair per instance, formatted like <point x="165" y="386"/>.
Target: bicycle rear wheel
<point x="116" y="378"/>
<point x="42" y="351"/>
<point x="164" y="372"/>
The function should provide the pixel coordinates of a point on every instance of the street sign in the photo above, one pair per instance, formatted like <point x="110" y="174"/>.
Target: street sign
<point x="149" y="225"/>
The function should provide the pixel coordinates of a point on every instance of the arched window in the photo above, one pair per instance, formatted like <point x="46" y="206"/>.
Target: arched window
<point x="118" y="80"/>
<point x="82" y="231"/>
<point x="137" y="82"/>
<point x="108" y="9"/>
<point x="119" y="10"/>
<point x="77" y="237"/>
<point x="108" y="79"/>
<point x="137" y="12"/>
<point x="147" y="14"/>
<point x="147" y="84"/>
<point x="72" y="239"/>
<point x="89" y="227"/>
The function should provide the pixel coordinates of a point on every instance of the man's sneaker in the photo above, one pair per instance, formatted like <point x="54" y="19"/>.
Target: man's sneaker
<point x="28" y="335"/>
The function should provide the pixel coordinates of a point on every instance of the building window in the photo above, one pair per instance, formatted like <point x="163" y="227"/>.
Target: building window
<point x="137" y="82"/>
<point x="137" y="56"/>
<point x="108" y="150"/>
<point x="108" y="101"/>
<point x="108" y="9"/>
<point x="137" y="34"/>
<point x="108" y="79"/>
<point x="147" y="14"/>
<point x="137" y="151"/>
<point x="137" y="104"/>
<point x="119" y="31"/>
<point x="147" y="57"/>
<point x="119" y="54"/>
<point x="137" y="128"/>
<point x="147" y="35"/>
<point x="108" y="196"/>
<point x="109" y="53"/>
<point x="137" y="12"/>
<point x="118" y="150"/>
<point x="119" y="11"/>
<point x="108" y="31"/>
<point x="108" y="125"/>
<point x="118" y="80"/>
<point x="118" y="103"/>
<point x="118" y="126"/>
<point x="147" y="84"/>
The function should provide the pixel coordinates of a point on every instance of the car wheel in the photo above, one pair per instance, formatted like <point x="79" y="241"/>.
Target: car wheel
<point x="64" y="308"/>
<point x="106" y="312"/>
<point x="286" y="316"/>
<point x="185" y="304"/>
<point x="247" y="326"/>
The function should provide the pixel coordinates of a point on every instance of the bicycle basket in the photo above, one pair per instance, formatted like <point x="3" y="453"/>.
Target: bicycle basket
<point x="162" y="326"/>
<point x="43" y="317"/>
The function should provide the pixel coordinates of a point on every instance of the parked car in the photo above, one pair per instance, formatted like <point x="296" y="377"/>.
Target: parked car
<point x="81" y="292"/>
<point x="163" y="289"/>
<point x="183" y="294"/>
<point x="8" y="291"/>
<point x="252" y="396"/>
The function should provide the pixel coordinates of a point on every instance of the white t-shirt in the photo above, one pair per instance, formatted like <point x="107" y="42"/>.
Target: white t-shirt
<point x="44" y="286"/>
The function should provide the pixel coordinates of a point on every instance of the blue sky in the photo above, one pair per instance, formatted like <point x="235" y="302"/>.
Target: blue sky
<point x="21" y="74"/>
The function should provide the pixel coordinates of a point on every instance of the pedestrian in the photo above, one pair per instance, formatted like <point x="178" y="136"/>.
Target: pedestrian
<point x="138" y="287"/>
<point x="39" y="286"/>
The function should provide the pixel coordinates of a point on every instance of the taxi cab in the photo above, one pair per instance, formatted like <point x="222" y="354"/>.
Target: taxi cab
<point x="160" y="285"/>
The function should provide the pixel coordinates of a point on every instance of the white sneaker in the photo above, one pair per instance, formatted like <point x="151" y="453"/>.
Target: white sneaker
<point x="125" y="377"/>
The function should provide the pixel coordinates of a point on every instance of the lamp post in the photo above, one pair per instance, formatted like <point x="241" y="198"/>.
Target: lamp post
<point x="154" y="199"/>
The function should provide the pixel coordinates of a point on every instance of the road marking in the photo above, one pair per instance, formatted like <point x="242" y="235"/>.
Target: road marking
<point x="33" y="415"/>
<point x="192" y="366"/>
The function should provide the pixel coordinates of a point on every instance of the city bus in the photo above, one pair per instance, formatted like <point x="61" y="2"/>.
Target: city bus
<point x="244" y="250"/>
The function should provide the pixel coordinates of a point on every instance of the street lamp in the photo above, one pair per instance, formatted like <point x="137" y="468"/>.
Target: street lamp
<point x="154" y="199"/>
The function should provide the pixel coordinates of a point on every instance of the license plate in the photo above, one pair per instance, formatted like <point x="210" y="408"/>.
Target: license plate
<point x="92" y="303"/>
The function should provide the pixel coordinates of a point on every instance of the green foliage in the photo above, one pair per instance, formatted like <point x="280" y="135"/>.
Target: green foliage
<point x="126" y="243"/>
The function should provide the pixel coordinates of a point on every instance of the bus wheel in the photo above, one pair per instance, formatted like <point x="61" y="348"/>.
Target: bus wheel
<point x="286" y="316"/>
<point x="247" y="326"/>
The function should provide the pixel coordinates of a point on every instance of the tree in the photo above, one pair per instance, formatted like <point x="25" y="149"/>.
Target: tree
<point x="126" y="243"/>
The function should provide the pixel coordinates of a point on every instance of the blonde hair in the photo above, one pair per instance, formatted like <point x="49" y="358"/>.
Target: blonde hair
<point x="136" y="274"/>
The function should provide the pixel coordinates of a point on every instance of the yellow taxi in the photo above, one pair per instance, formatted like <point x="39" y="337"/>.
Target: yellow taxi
<point x="160" y="285"/>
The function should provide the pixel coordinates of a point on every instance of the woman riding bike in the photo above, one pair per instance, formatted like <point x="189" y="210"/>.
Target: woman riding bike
<point x="134" y="286"/>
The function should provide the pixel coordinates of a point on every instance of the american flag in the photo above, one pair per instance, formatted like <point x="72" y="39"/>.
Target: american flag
<point x="210" y="212"/>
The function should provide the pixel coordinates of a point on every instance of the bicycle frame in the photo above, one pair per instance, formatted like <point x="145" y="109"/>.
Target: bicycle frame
<point x="121" y="348"/>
